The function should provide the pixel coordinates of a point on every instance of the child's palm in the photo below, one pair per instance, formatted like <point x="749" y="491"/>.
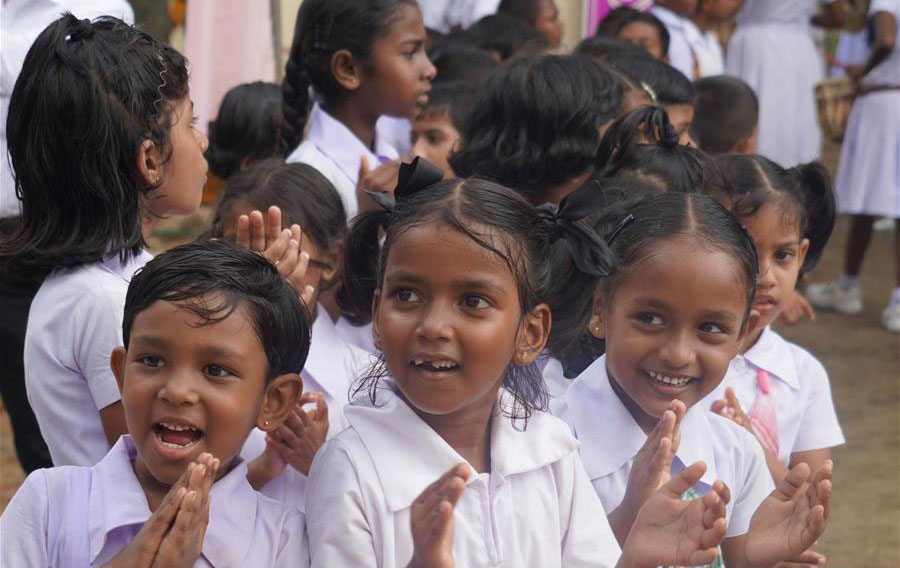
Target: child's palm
<point x="669" y="530"/>
<point x="791" y="518"/>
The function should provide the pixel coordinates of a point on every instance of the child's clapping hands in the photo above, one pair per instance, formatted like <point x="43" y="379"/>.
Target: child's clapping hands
<point x="173" y="535"/>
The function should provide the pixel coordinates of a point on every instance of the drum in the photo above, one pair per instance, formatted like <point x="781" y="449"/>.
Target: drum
<point x="834" y="99"/>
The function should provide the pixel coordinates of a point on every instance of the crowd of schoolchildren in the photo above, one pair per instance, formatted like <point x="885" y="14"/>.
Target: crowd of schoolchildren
<point x="465" y="300"/>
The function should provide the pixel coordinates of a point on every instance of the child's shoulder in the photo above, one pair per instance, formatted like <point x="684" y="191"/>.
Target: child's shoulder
<point x="806" y="366"/>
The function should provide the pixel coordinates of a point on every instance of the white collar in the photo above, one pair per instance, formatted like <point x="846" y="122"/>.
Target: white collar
<point x="609" y="435"/>
<point x="117" y="500"/>
<point x="125" y="270"/>
<point x="409" y="455"/>
<point x="331" y="359"/>
<point x="335" y="140"/>
<point x="773" y="354"/>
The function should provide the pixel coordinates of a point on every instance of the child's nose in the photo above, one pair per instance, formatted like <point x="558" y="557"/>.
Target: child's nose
<point x="179" y="389"/>
<point x="766" y="278"/>
<point x="435" y="324"/>
<point x="204" y="140"/>
<point x="678" y="351"/>
<point x="430" y="71"/>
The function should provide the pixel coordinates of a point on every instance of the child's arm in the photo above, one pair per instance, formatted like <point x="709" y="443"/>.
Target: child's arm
<point x="787" y="523"/>
<point x="795" y="309"/>
<point x="650" y="470"/>
<point x="671" y="531"/>
<point x="173" y="536"/>
<point x="431" y="520"/>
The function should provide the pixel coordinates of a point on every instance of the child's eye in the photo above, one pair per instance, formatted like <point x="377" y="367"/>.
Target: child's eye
<point x="406" y="295"/>
<point x="151" y="361"/>
<point x="649" y="319"/>
<point x="783" y="255"/>
<point x="712" y="328"/>
<point x="216" y="371"/>
<point x="475" y="302"/>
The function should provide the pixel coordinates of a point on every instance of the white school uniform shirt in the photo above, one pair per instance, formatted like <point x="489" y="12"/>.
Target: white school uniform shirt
<point x="886" y="73"/>
<point x="610" y="439"/>
<point x="446" y="15"/>
<point x="357" y="335"/>
<point x="83" y="516"/>
<point x="331" y="367"/>
<point x="708" y="51"/>
<point x="681" y="56"/>
<point x="74" y="323"/>
<point x="335" y="151"/>
<point x="799" y="387"/>
<point x="535" y="508"/>
<point x="21" y="21"/>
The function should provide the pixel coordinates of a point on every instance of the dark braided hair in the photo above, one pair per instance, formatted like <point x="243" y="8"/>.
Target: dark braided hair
<point x="324" y="27"/>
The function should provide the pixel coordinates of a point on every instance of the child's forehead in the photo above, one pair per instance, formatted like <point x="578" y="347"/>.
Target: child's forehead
<point x="206" y="319"/>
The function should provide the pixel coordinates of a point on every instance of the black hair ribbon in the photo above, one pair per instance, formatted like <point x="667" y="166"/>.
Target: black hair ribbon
<point x="81" y="30"/>
<point x="589" y="252"/>
<point x="414" y="177"/>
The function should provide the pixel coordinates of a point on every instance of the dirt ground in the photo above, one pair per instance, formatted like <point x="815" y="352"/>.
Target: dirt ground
<point x="864" y="363"/>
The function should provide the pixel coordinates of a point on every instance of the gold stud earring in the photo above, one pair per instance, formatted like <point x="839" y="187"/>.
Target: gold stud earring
<point x="266" y="423"/>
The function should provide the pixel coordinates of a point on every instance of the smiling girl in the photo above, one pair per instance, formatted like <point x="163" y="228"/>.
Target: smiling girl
<point x="672" y="316"/>
<point x="461" y="299"/>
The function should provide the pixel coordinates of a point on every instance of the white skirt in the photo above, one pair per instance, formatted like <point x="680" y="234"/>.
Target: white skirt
<point x="781" y="64"/>
<point x="868" y="175"/>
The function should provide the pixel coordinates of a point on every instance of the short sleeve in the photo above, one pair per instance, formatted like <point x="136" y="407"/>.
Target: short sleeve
<point x="755" y="484"/>
<point x="339" y="530"/>
<point x="819" y="427"/>
<point x="890" y="6"/>
<point x="293" y="549"/>
<point x="587" y="538"/>
<point x="23" y="526"/>
<point x="97" y="328"/>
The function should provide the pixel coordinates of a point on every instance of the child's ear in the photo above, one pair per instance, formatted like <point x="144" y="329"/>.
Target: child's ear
<point x="280" y="398"/>
<point x="749" y="326"/>
<point x="533" y="335"/>
<point x="747" y="145"/>
<point x="597" y="324"/>
<point x="117" y="364"/>
<point x="346" y="70"/>
<point x="150" y="163"/>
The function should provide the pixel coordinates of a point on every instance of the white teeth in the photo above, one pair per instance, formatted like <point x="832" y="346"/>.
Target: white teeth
<point x="175" y="427"/>
<point x="175" y="446"/>
<point x="443" y="364"/>
<point x="673" y="381"/>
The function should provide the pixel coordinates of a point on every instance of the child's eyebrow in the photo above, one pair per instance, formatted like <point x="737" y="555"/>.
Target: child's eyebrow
<point x="478" y="284"/>
<point x="786" y="244"/>
<point x="151" y="341"/>
<point x="649" y="302"/>
<point x="719" y="315"/>
<point x="414" y="41"/>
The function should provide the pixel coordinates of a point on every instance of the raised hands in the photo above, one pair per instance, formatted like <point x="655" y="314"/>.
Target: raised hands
<point x="730" y="408"/>
<point x="671" y="531"/>
<point x="280" y="247"/>
<point x="173" y="535"/>
<point x="431" y="520"/>
<point x="796" y="307"/>
<point x="788" y="522"/>
<point x="650" y="470"/>
<point x="302" y="434"/>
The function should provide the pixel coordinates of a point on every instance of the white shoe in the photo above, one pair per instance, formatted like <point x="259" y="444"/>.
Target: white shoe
<point x="830" y="295"/>
<point x="890" y="318"/>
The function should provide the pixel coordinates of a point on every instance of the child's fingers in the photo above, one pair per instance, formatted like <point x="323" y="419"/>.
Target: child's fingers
<point x="709" y="541"/>
<point x="723" y="491"/>
<point x="431" y="495"/>
<point x="290" y="258"/>
<point x="732" y="400"/>
<point x="242" y="237"/>
<point x="714" y="509"/>
<point x="257" y="232"/>
<point x="155" y="529"/>
<point x="299" y="270"/>
<point x="273" y="223"/>
<point x="719" y="407"/>
<point x="288" y="437"/>
<point x="793" y="483"/>
<point x="296" y="233"/>
<point x="690" y="475"/>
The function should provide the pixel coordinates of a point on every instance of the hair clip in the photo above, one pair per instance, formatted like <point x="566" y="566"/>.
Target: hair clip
<point x="617" y="230"/>
<point x="157" y="104"/>
<point x="649" y="90"/>
<point x="83" y="30"/>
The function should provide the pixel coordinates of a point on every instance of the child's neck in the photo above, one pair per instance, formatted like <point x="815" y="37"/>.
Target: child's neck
<point x="355" y="117"/>
<point x="703" y="22"/>
<point x="154" y="489"/>
<point x="646" y="422"/>
<point x="751" y="339"/>
<point x="468" y="431"/>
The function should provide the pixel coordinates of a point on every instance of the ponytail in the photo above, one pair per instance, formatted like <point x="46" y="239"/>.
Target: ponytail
<point x="295" y="90"/>
<point x="645" y="143"/>
<point x="578" y="258"/>
<point x="814" y="183"/>
<point x="359" y="278"/>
